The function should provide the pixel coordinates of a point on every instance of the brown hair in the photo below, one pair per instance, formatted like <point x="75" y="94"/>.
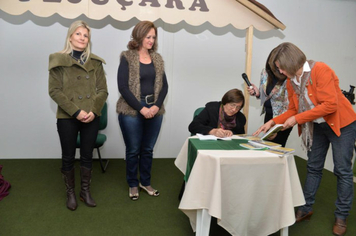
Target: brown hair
<point x="273" y="73"/>
<point x="289" y="57"/>
<point x="139" y="33"/>
<point x="235" y="96"/>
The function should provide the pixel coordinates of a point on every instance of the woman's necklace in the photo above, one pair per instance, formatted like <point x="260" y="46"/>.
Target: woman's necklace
<point x="144" y="55"/>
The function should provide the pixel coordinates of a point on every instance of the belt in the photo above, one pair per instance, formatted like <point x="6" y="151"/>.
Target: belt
<point x="149" y="99"/>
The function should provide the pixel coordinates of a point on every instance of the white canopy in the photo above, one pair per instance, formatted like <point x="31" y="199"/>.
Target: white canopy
<point x="239" y="13"/>
<point x="242" y="14"/>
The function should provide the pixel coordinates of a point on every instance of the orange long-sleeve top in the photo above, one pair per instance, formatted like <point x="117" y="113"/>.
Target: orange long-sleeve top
<point x="325" y="93"/>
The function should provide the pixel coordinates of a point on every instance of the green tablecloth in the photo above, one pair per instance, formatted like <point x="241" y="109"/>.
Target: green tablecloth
<point x="195" y="144"/>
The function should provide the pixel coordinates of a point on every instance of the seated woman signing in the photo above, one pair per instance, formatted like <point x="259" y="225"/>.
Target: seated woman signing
<point x="222" y="119"/>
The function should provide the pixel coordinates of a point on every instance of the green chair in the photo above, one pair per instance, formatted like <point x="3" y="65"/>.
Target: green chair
<point x="101" y="138"/>
<point x="197" y="112"/>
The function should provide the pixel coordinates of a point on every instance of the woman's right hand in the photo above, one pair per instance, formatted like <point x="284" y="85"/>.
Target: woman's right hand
<point x="81" y="116"/>
<point x="146" y="112"/>
<point x="221" y="133"/>
<point x="253" y="91"/>
<point x="264" y="128"/>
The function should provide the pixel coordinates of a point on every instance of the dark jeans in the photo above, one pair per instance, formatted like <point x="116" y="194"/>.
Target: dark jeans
<point x="342" y="150"/>
<point x="140" y="136"/>
<point x="68" y="131"/>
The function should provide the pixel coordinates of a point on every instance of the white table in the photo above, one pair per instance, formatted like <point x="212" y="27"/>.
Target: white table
<point x="251" y="193"/>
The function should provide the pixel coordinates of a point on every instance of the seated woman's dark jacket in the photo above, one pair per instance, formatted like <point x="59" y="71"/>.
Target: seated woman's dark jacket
<point x="208" y="119"/>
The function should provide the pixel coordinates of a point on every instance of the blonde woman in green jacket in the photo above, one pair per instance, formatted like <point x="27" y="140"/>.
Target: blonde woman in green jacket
<point x="77" y="84"/>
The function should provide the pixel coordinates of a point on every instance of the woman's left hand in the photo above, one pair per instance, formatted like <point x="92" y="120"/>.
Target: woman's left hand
<point x="154" y="109"/>
<point x="273" y="136"/>
<point x="290" y="122"/>
<point x="253" y="91"/>
<point x="88" y="118"/>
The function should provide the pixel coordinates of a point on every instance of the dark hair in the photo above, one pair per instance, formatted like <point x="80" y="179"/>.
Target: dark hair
<point x="235" y="96"/>
<point x="139" y="33"/>
<point x="289" y="57"/>
<point x="271" y="74"/>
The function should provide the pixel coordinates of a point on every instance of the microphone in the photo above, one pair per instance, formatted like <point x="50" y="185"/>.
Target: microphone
<point x="244" y="76"/>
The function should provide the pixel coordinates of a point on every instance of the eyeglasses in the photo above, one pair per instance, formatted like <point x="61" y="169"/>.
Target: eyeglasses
<point x="234" y="106"/>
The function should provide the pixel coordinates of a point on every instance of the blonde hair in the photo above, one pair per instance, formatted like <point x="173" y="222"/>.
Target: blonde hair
<point x="68" y="46"/>
<point x="289" y="57"/>
<point x="139" y="33"/>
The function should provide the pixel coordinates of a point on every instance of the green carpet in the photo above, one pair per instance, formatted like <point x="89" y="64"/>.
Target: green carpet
<point x="36" y="203"/>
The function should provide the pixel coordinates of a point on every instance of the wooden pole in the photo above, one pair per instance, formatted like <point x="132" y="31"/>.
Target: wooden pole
<point x="248" y="61"/>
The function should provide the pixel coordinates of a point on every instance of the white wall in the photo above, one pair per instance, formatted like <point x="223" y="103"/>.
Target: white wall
<point x="202" y="63"/>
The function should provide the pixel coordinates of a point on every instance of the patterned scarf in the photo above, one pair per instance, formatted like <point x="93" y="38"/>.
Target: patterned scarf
<point x="307" y="128"/>
<point x="77" y="55"/>
<point x="226" y="122"/>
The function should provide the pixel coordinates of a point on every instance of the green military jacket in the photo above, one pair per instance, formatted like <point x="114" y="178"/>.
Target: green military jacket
<point x="76" y="87"/>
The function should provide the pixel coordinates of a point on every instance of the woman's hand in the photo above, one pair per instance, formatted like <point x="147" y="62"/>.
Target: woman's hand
<point x="264" y="128"/>
<point x="146" y="112"/>
<point x="221" y="133"/>
<point x="149" y="113"/>
<point x="81" y="115"/>
<point x="253" y="91"/>
<point x="88" y="118"/>
<point x="154" y="109"/>
<point x="273" y="136"/>
<point x="290" y="122"/>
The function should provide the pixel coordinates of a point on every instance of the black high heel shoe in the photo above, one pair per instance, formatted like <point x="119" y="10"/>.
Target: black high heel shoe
<point x="154" y="192"/>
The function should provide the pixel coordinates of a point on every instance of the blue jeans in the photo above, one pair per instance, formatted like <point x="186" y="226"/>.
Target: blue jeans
<point x="140" y="136"/>
<point x="342" y="151"/>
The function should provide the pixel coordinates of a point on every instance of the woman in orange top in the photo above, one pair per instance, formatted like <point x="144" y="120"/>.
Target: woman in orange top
<point x="324" y="116"/>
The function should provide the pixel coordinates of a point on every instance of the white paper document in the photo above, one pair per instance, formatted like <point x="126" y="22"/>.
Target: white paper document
<point x="211" y="137"/>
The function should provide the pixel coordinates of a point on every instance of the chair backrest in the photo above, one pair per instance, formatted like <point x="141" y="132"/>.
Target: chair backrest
<point x="197" y="111"/>
<point x="104" y="117"/>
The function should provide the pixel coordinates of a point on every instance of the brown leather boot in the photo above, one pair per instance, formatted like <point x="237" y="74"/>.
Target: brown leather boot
<point x="69" y="180"/>
<point x="339" y="228"/>
<point x="85" y="195"/>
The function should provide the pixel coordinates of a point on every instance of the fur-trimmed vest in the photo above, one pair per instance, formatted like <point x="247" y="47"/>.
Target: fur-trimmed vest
<point x="133" y="60"/>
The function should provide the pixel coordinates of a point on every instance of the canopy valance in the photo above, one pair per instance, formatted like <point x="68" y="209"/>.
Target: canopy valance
<point x="239" y="13"/>
<point x="242" y="14"/>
